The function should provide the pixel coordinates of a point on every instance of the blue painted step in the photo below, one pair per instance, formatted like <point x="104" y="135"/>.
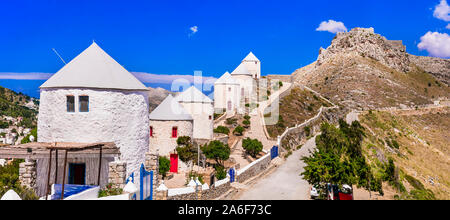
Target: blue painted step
<point x="69" y="189"/>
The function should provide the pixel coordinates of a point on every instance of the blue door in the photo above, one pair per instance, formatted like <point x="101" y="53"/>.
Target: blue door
<point x="232" y="173"/>
<point x="146" y="184"/>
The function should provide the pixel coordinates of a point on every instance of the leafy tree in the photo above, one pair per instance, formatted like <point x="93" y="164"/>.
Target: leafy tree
<point x="186" y="150"/>
<point x="339" y="159"/>
<point x="164" y="166"/>
<point x="239" y="130"/>
<point x="252" y="146"/>
<point x="247" y="117"/>
<point x="217" y="151"/>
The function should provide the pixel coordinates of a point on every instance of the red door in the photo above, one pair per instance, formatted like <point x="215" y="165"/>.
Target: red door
<point x="174" y="163"/>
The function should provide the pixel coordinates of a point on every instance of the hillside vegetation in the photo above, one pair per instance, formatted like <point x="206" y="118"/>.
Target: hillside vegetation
<point x="418" y="143"/>
<point x="13" y="104"/>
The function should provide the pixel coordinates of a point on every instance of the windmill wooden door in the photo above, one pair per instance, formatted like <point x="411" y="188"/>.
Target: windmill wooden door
<point x="174" y="163"/>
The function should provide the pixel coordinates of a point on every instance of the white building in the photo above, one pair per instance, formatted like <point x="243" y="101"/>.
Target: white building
<point x="226" y="94"/>
<point x="201" y="108"/>
<point x="233" y="91"/>
<point x="94" y="99"/>
<point x="168" y="122"/>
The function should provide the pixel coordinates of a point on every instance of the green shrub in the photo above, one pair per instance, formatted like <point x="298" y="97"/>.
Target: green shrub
<point x="222" y="130"/>
<point x="307" y="131"/>
<point x="246" y="123"/>
<point x="252" y="146"/>
<point x="221" y="173"/>
<point x="239" y="130"/>
<point x="230" y="121"/>
<point x="164" y="166"/>
<point x="247" y="117"/>
<point x="9" y="179"/>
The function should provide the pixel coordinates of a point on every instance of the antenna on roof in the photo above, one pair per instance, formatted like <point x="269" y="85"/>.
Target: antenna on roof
<point x="59" y="56"/>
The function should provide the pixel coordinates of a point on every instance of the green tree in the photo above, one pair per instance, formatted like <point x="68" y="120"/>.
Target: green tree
<point x="252" y="146"/>
<point x="217" y="151"/>
<point x="186" y="150"/>
<point x="339" y="159"/>
<point x="164" y="166"/>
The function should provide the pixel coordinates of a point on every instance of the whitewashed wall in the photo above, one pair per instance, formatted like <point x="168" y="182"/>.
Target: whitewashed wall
<point x="200" y="112"/>
<point x="162" y="135"/>
<point x="222" y="95"/>
<point x="253" y="68"/>
<point x="114" y="116"/>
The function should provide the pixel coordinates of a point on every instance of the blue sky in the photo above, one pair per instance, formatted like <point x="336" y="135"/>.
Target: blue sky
<point x="155" y="36"/>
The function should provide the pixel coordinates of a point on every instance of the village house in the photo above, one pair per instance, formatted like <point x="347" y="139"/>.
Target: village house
<point x="233" y="91"/>
<point x="168" y="122"/>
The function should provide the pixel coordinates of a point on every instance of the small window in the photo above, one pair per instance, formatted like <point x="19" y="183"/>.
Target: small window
<point x="70" y="103"/>
<point x="84" y="103"/>
<point x="229" y="89"/>
<point x="174" y="132"/>
<point x="210" y="117"/>
<point x="151" y="131"/>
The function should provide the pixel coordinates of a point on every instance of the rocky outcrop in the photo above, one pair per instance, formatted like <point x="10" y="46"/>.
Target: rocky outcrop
<point x="439" y="68"/>
<point x="366" y="43"/>
<point x="363" y="70"/>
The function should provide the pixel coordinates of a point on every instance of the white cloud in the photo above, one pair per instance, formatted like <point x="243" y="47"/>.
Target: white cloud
<point x="194" y="29"/>
<point x="25" y="76"/>
<point x="437" y="44"/>
<point x="448" y="26"/>
<point x="166" y="78"/>
<point x="332" y="26"/>
<point x="442" y="11"/>
<point x="143" y="77"/>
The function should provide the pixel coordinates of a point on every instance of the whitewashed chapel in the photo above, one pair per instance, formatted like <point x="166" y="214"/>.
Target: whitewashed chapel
<point x="94" y="99"/>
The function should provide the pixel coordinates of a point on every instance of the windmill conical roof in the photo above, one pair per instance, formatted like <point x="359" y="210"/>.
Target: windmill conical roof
<point x="94" y="68"/>
<point x="170" y="110"/>
<point x="241" y="70"/>
<point x="192" y="94"/>
<point x="251" y="57"/>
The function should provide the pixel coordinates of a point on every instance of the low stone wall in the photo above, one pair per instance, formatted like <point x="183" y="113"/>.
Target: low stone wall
<point x="282" y="78"/>
<point x="253" y="168"/>
<point x="295" y="136"/>
<point x="215" y="192"/>
<point x="117" y="173"/>
<point x="28" y="174"/>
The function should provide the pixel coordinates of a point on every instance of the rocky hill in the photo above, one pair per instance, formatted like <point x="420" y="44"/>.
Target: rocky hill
<point x="364" y="70"/>
<point x="14" y="105"/>
<point x="156" y="96"/>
